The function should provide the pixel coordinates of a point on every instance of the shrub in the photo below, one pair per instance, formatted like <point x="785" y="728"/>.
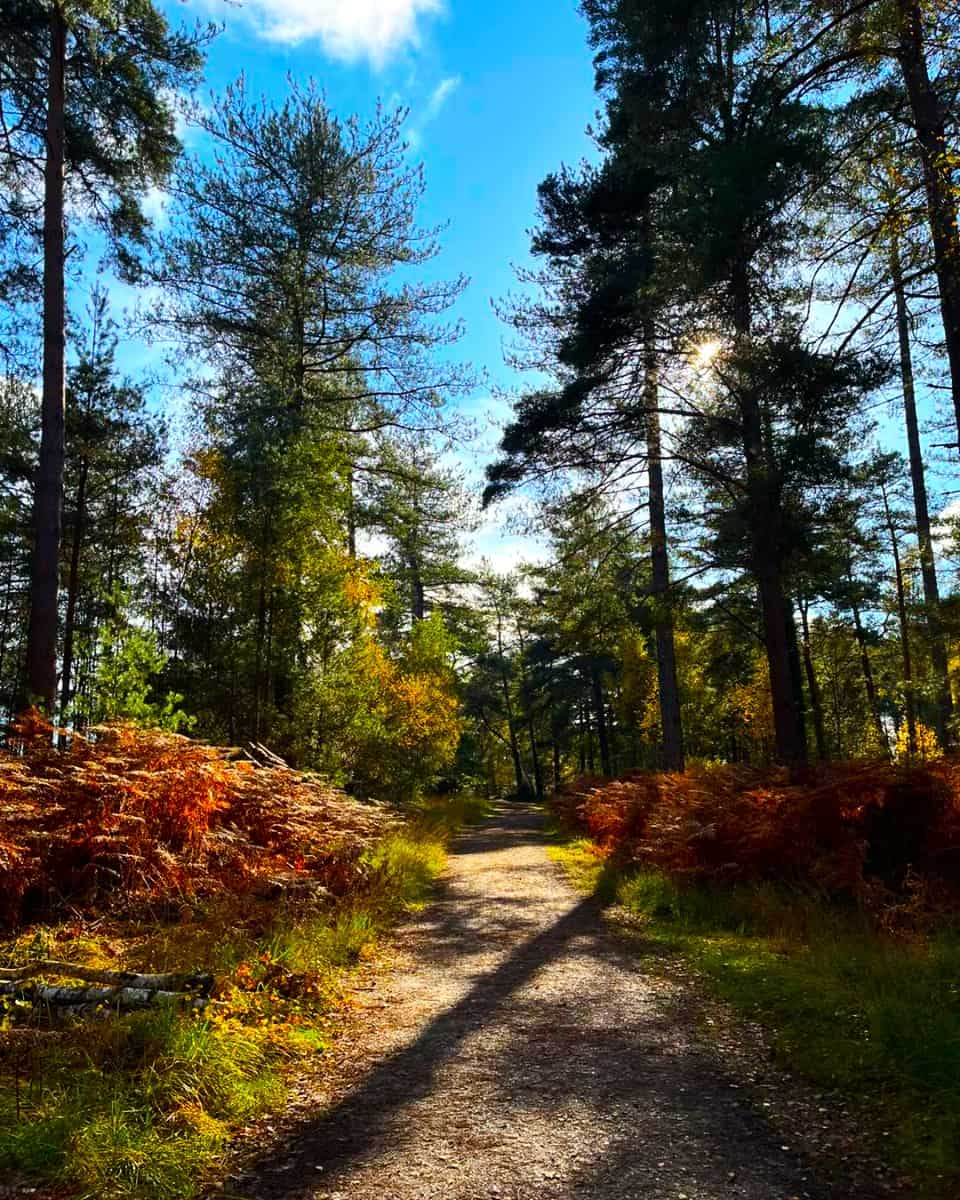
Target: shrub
<point x="862" y="830"/>
<point x="133" y="817"/>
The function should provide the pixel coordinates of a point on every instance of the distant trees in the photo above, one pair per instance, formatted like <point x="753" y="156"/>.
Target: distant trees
<point x="407" y="497"/>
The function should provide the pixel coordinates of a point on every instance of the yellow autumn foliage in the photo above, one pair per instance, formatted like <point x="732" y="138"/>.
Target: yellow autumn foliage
<point x="928" y="748"/>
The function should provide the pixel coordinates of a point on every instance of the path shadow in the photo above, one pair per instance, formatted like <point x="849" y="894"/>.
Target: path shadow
<point x="653" y="1110"/>
<point x="366" y="1117"/>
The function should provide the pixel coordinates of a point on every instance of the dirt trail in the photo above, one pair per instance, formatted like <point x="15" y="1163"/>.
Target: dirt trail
<point x="519" y="1051"/>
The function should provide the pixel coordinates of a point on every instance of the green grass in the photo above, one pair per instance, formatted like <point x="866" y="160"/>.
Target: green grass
<point x="142" y="1106"/>
<point x="848" y="1007"/>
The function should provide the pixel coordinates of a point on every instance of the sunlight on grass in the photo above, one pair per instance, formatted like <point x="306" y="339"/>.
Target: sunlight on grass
<point x="143" y="1105"/>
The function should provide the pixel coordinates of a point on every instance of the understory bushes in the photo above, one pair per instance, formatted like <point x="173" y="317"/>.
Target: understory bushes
<point x="134" y="821"/>
<point x="827" y="908"/>
<point x="869" y="831"/>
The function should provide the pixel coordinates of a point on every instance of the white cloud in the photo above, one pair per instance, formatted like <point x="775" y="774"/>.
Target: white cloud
<point x="347" y="29"/>
<point x="437" y="99"/>
<point x="155" y="204"/>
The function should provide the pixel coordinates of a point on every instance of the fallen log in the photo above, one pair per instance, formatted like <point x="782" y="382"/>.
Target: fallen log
<point x="170" y="982"/>
<point x="89" y="999"/>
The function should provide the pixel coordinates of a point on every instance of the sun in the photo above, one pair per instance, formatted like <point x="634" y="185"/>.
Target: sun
<point x="704" y="353"/>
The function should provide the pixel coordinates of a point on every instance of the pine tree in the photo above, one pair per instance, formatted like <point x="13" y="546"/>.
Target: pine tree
<point x="287" y="268"/>
<point x="410" y="499"/>
<point x="89" y="122"/>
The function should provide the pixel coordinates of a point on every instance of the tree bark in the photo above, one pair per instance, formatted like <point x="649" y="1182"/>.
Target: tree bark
<point x="418" y="604"/>
<point x="41" y="666"/>
<point x="868" y="680"/>
<point x="813" y="686"/>
<point x="587" y="761"/>
<point x="928" y="565"/>
<point x="535" y="758"/>
<point x="909" y="699"/>
<point x="523" y="784"/>
<point x="766" y="549"/>
<point x="168" y="982"/>
<point x="765" y="534"/>
<point x="73" y="588"/>
<point x="80" y="1000"/>
<point x="351" y="516"/>
<point x="603" y="737"/>
<point x="261" y="664"/>
<point x="929" y="122"/>
<point x="671" y="723"/>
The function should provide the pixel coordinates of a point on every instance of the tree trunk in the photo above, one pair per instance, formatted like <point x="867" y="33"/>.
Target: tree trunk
<point x="928" y="566"/>
<point x="73" y="587"/>
<point x="556" y="765"/>
<point x="169" y="982"/>
<point x="671" y="724"/>
<point x="767" y="565"/>
<point x="587" y="761"/>
<point x="787" y="720"/>
<point x="929" y="123"/>
<point x="813" y="686"/>
<point x="418" y="606"/>
<point x="603" y="738"/>
<point x="796" y="673"/>
<point x="523" y="784"/>
<point x="41" y="664"/>
<point x="909" y="699"/>
<point x="535" y="758"/>
<point x="260" y="666"/>
<point x="351" y="516"/>
<point x="868" y="681"/>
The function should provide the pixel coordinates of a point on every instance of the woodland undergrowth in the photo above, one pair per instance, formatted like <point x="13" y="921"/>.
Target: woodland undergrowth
<point x="142" y="851"/>
<point x="827" y="908"/>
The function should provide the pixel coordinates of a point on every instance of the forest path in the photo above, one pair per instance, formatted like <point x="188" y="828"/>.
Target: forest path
<point x="520" y="1051"/>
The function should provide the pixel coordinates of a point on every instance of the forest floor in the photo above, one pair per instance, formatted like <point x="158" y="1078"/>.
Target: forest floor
<point x="521" y="1045"/>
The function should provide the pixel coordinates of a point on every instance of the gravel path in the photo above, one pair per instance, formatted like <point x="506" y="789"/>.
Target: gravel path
<point x="520" y="1051"/>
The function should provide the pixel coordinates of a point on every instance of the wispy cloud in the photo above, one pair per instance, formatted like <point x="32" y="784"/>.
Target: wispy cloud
<point x="348" y="29"/>
<point x="440" y="94"/>
<point x="435" y="102"/>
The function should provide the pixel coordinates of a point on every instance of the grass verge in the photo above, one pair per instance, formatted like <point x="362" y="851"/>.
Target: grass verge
<point x="848" y="1007"/>
<point x="142" y="1105"/>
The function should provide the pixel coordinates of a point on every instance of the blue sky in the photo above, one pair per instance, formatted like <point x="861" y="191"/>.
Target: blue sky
<point x="500" y="94"/>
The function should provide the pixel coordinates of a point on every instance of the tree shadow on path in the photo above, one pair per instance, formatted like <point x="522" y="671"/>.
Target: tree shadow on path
<point x="659" y="1116"/>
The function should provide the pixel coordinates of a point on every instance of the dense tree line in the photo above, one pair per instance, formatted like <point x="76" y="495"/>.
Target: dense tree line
<point x="217" y="583"/>
<point x="736" y="310"/>
<point x="766" y="249"/>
